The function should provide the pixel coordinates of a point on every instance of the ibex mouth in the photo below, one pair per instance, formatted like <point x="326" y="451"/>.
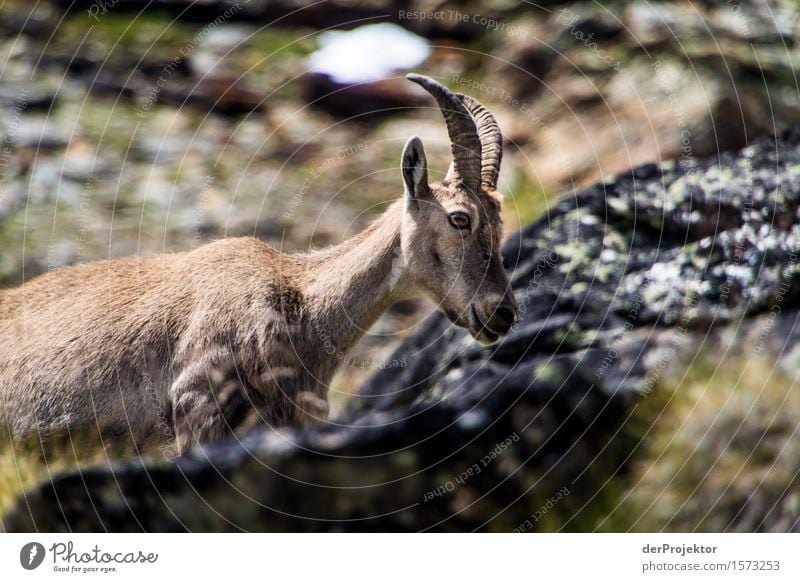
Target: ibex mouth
<point x="480" y="331"/>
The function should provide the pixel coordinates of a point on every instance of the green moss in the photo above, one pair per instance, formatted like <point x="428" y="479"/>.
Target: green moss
<point x="146" y="33"/>
<point x="525" y="202"/>
<point x="722" y="455"/>
<point x="712" y="448"/>
<point x="276" y="44"/>
<point x="25" y="463"/>
<point x="106" y="123"/>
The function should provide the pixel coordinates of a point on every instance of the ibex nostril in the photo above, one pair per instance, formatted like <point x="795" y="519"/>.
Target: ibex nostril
<point x="506" y="315"/>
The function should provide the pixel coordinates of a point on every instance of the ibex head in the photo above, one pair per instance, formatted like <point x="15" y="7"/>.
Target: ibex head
<point x="452" y="229"/>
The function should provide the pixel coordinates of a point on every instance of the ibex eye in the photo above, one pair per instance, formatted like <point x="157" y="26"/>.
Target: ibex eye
<point x="459" y="220"/>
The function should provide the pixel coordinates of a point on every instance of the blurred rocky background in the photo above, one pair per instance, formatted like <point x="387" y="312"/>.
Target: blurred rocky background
<point x="131" y="130"/>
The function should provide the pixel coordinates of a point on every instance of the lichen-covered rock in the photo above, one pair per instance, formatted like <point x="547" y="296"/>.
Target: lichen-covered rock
<point x="620" y="286"/>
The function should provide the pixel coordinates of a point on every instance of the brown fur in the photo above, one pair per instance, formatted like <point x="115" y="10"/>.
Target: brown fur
<point x="194" y="345"/>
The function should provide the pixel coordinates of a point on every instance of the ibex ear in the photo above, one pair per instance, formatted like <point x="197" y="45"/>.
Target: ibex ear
<point x="415" y="169"/>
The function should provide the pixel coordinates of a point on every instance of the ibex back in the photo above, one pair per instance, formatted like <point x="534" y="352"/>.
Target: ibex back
<point x="191" y="346"/>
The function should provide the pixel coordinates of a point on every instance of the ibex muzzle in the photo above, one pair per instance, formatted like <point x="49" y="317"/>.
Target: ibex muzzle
<point x="191" y="346"/>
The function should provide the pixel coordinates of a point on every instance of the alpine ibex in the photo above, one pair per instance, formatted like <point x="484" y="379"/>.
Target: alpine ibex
<point x="231" y="334"/>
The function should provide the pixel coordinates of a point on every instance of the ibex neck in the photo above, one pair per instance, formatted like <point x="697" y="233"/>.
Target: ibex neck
<point x="350" y="285"/>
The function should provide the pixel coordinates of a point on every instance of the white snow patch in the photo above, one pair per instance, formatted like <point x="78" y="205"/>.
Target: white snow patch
<point x="368" y="53"/>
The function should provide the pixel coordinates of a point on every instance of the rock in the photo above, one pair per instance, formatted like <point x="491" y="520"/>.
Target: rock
<point x="656" y="23"/>
<point x="37" y="132"/>
<point x="544" y="431"/>
<point x="30" y="97"/>
<point x="285" y="12"/>
<point x="589" y="96"/>
<point x="365" y="102"/>
<point x="216" y="92"/>
<point x="35" y="22"/>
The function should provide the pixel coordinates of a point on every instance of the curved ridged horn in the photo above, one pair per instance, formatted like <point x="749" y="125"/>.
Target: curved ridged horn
<point x="490" y="137"/>
<point x="464" y="141"/>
